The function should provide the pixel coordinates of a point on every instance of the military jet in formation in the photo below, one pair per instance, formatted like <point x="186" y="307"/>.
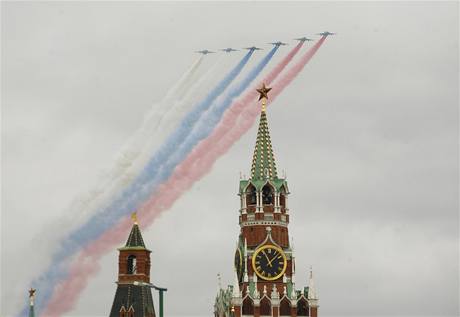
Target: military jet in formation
<point x="253" y="48"/>
<point x="303" y="39"/>
<point x="279" y="43"/>
<point x="326" y="33"/>
<point x="228" y="50"/>
<point x="205" y="52"/>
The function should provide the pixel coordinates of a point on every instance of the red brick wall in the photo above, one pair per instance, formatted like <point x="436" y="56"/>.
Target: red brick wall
<point x="142" y="266"/>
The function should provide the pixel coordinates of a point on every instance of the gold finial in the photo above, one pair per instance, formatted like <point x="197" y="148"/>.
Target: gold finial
<point x="263" y="94"/>
<point x="134" y="217"/>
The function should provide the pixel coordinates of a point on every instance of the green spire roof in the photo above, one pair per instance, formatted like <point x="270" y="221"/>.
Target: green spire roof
<point x="263" y="161"/>
<point x="135" y="238"/>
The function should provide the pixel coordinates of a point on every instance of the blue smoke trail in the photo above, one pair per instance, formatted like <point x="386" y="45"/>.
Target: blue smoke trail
<point x="129" y="199"/>
<point x="205" y="127"/>
<point x="137" y="191"/>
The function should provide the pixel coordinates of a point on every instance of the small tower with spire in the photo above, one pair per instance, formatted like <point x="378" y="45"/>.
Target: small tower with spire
<point x="264" y="257"/>
<point x="133" y="297"/>
<point x="32" y="302"/>
<point x="312" y="296"/>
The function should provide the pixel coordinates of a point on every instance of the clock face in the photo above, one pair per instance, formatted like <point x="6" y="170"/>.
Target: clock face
<point x="269" y="262"/>
<point x="238" y="263"/>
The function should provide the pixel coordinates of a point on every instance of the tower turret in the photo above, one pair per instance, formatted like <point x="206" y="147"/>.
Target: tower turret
<point x="133" y="297"/>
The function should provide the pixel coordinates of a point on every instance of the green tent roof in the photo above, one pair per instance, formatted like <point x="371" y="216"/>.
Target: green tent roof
<point x="263" y="161"/>
<point x="263" y="167"/>
<point x="135" y="238"/>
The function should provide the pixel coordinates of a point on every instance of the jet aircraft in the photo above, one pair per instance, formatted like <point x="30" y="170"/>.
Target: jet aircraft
<point x="252" y="48"/>
<point x="228" y="50"/>
<point x="303" y="39"/>
<point x="326" y="33"/>
<point x="204" y="52"/>
<point x="279" y="43"/>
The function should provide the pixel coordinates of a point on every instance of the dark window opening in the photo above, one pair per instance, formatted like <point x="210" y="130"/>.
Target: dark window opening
<point x="267" y="195"/>
<point x="251" y="195"/>
<point x="285" y="309"/>
<point x="283" y="197"/>
<point x="132" y="269"/>
<point x="248" y="308"/>
<point x="302" y="308"/>
<point x="265" y="307"/>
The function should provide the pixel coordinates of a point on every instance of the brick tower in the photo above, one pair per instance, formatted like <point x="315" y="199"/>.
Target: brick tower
<point x="133" y="297"/>
<point x="264" y="258"/>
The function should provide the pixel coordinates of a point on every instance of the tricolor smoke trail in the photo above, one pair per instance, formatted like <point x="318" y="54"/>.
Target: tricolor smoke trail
<point x="128" y="200"/>
<point x="158" y="114"/>
<point x="154" y="117"/>
<point x="201" y="160"/>
<point x="202" y="128"/>
<point x="240" y="117"/>
<point x="151" y="139"/>
<point x="138" y="191"/>
<point x="173" y="116"/>
<point x="193" y="168"/>
<point x="84" y="204"/>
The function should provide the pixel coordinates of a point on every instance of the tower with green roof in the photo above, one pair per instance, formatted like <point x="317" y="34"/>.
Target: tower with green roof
<point x="133" y="297"/>
<point x="264" y="259"/>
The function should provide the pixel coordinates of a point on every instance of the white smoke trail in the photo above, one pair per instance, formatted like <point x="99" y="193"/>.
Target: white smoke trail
<point x="84" y="204"/>
<point x="151" y="122"/>
<point x="153" y="137"/>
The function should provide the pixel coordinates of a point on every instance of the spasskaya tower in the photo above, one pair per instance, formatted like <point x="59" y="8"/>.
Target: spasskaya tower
<point x="265" y="282"/>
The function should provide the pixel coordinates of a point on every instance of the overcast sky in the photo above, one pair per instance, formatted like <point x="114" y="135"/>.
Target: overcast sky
<point x="368" y="135"/>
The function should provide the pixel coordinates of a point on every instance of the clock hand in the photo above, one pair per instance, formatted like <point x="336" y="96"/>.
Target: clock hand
<point x="269" y="262"/>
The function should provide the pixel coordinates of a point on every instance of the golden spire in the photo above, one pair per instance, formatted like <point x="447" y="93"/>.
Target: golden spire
<point x="263" y="94"/>
<point x="134" y="217"/>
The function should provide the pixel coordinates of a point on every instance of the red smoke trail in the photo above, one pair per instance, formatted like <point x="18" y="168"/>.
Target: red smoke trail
<point x="198" y="163"/>
<point x="83" y="267"/>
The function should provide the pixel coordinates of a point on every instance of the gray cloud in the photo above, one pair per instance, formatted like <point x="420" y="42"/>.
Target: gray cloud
<point x="368" y="134"/>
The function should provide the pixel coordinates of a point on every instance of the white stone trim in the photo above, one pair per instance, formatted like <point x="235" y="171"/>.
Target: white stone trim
<point x="263" y="222"/>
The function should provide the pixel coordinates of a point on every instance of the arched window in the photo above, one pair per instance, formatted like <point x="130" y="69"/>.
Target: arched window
<point x="251" y="195"/>
<point x="248" y="307"/>
<point x="283" y="197"/>
<point x="132" y="269"/>
<point x="302" y="307"/>
<point x="265" y="307"/>
<point x="285" y="308"/>
<point x="267" y="195"/>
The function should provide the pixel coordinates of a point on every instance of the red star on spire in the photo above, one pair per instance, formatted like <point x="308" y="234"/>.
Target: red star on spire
<point x="263" y="92"/>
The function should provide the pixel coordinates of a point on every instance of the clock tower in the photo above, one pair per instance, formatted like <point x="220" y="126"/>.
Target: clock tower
<point x="265" y="279"/>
